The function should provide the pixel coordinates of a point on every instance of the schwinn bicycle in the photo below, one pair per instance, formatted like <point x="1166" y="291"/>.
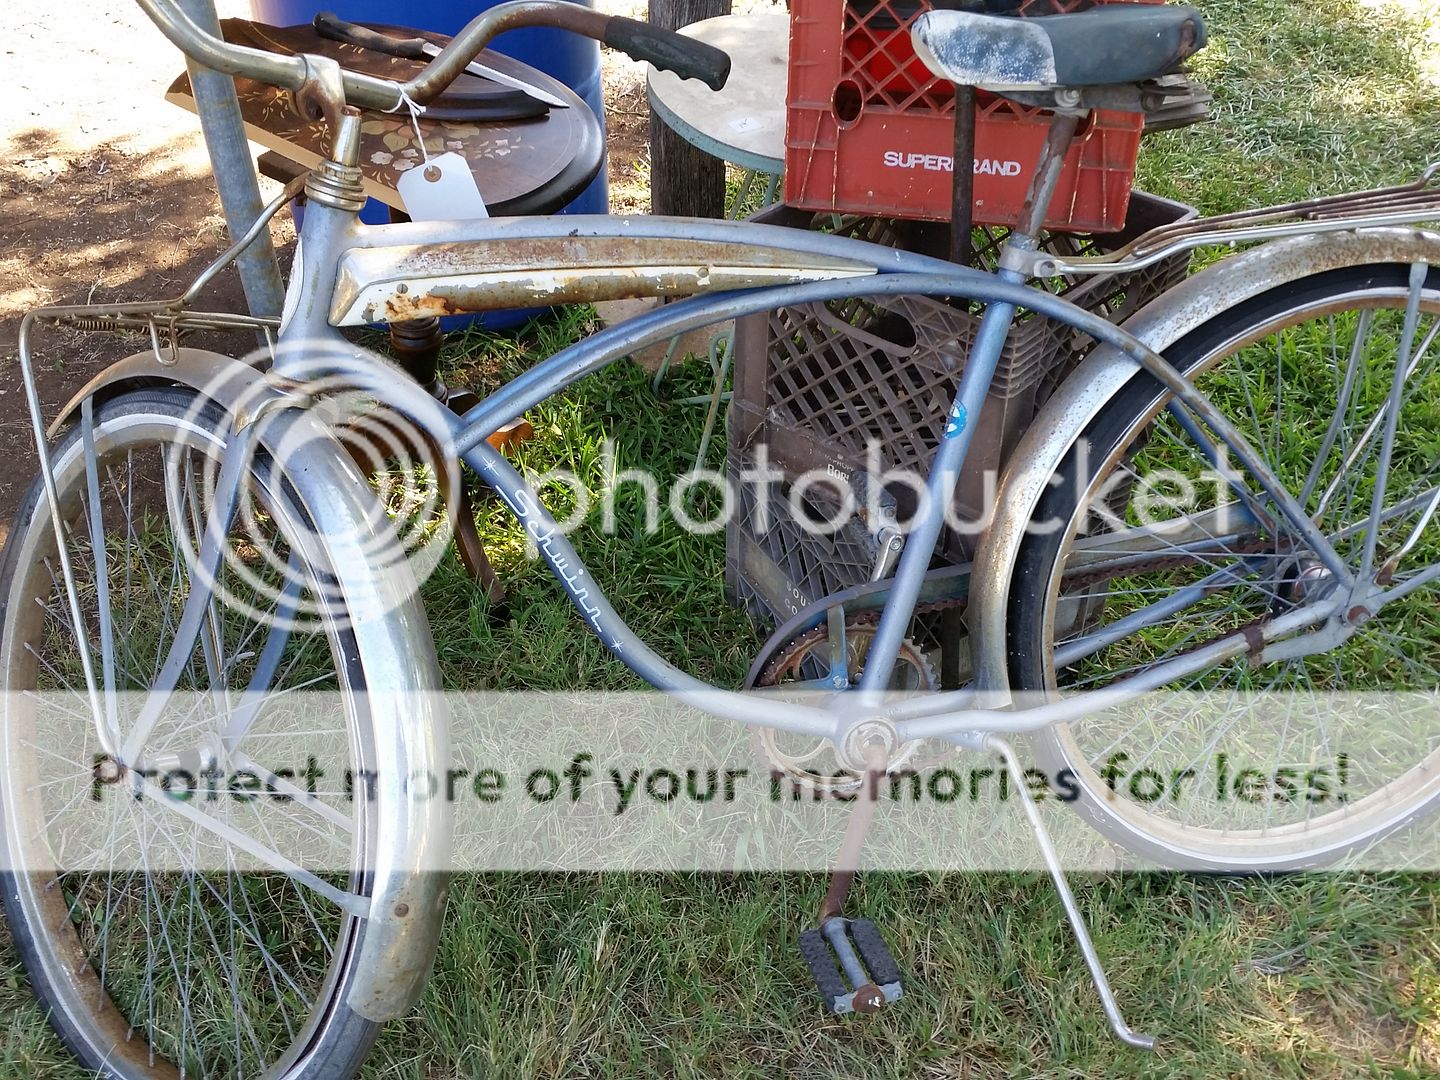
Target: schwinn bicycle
<point x="1297" y="375"/>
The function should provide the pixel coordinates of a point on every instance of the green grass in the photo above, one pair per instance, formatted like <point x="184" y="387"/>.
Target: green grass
<point x="667" y="584"/>
<point x="699" y="976"/>
<point x="630" y="976"/>
<point x="1310" y="99"/>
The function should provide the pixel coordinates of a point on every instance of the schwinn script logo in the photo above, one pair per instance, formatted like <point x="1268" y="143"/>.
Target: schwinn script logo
<point x="904" y="159"/>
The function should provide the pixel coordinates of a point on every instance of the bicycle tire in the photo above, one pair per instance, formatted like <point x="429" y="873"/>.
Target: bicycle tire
<point x="92" y="1008"/>
<point x="1128" y="429"/>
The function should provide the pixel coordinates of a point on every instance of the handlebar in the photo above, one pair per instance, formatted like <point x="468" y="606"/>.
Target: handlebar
<point x="668" y="51"/>
<point x="665" y="49"/>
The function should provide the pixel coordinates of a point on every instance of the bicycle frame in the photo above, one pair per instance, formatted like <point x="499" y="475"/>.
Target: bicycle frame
<point x="352" y="273"/>
<point x="348" y="273"/>
<point x="397" y="950"/>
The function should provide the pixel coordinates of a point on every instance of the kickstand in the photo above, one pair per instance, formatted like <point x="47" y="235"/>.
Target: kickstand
<point x="1123" y="1031"/>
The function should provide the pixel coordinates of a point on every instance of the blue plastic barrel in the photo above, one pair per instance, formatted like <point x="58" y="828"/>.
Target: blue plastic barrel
<point x="572" y="59"/>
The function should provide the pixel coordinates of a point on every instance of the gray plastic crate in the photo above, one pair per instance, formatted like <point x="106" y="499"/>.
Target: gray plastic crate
<point x="817" y="383"/>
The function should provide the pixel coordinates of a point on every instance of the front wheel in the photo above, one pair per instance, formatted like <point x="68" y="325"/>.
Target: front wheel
<point x="151" y="939"/>
<point x="1150" y="548"/>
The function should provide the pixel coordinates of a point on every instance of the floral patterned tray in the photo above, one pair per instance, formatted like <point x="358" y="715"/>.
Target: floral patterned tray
<point x="527" y="166"/>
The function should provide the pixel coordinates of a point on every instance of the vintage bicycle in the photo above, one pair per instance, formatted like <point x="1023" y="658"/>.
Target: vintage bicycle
<point x="1299" y="372"/>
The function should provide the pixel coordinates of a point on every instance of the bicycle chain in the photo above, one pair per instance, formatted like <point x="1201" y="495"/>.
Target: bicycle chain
<point x="783" y="655"/>
<point x="770" y="674"/>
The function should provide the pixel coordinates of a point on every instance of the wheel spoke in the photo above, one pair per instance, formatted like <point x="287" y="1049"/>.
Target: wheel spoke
<point x="1405" y="364"/>
<point x="1335" y="391"/>
<point x="198" y="968"/>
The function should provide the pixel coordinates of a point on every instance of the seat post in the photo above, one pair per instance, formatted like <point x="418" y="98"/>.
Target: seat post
<point x="962" y="206"/>
<point x="1046" y="177"/>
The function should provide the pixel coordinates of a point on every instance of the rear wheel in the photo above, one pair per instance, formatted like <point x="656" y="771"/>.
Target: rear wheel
<point x="159" y="944"/>
<point x="1144" y="553"/>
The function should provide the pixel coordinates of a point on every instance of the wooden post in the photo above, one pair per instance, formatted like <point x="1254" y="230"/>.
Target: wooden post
<point x="683" y="180"/>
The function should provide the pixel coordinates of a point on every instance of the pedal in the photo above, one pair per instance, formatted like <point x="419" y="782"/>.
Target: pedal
<point x="867" y="977"/>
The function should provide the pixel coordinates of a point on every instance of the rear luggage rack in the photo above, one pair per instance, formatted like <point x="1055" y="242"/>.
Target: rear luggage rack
<point x="1405" y="204"/>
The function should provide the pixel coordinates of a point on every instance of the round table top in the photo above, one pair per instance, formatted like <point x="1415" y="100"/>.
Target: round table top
<point x="745" y="122"/>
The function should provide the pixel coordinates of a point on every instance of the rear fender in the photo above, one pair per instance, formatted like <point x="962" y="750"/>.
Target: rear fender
<point x="1159" y="325"/>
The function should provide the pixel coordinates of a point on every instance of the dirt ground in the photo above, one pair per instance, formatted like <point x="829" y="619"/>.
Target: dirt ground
<point x="106" y="194"/>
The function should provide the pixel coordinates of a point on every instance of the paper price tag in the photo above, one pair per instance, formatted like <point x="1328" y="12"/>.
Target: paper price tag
<point x="442" y="189"/>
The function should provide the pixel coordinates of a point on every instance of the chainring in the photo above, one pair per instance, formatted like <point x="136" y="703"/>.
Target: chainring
<point x="915" y="673"/>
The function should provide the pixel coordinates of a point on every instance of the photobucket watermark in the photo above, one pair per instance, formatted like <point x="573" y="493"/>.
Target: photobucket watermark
<point x="269" y="540"/>
<point x="282" y="561"/>
<point x="881" y="498"/>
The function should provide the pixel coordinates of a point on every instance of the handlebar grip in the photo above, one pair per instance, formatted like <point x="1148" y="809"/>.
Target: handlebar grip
<point x="669" y="51"/>
<point x="329" y="25"/>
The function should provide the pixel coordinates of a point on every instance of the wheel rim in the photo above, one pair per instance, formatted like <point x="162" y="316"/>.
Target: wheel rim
<point x="220" y="972"/>
<point x="1253" y="377"/>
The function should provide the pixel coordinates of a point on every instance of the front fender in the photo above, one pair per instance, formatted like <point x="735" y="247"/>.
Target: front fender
<point x="214" y="374"/>
<point x="1102" y="374"/>
<point x="406" y="712"/>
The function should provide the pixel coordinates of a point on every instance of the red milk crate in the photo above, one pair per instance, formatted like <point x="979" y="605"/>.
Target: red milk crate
<point x="869" y="130"/>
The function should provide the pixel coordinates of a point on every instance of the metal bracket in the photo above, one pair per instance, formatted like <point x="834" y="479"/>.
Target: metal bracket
<point x="171" y="356"/>
<point x="1025" y="261"/>
<point x="1071" y="99"/>
<point x="322" y="95"/>
<point x="285" y="399"/>
<point x="876" y="509"/>
<point x="892" y="542"/>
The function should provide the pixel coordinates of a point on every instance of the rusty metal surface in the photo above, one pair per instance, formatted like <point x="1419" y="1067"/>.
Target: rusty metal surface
<point x="409" y="282"/>
<point x="522" y="165"/>
<point x="1106" y="370"/>
<point x="862" y="813"/>
<point x="1046" y="179"/>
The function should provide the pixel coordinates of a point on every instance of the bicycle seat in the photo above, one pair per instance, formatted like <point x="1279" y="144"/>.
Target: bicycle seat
<point x="1104" y="46"/>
